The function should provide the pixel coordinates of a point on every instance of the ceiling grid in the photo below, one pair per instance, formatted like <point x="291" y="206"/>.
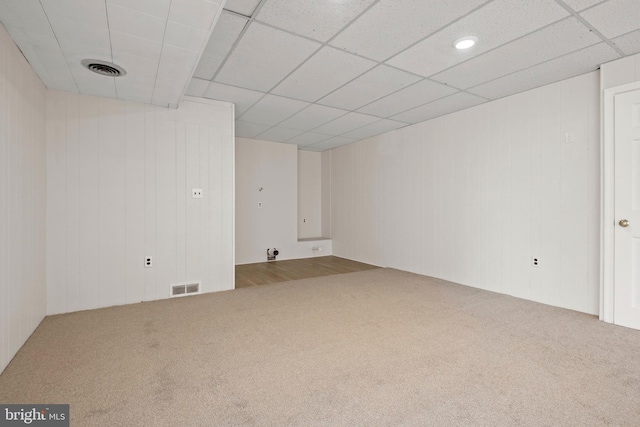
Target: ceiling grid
<point x="320" y="73"/>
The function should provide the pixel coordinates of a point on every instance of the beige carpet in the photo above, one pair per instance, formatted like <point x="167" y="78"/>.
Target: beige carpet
<point x="380" y="347"/>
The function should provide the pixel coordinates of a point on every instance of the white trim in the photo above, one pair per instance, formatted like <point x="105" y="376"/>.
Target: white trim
<point x="607" y="187"/>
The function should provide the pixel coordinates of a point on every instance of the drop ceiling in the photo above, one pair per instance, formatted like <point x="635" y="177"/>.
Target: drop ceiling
<point x="321" y="73"/>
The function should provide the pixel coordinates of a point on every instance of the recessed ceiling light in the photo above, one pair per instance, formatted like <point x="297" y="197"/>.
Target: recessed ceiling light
<point x="465" y="42"/>
<point x="103" y="68"/>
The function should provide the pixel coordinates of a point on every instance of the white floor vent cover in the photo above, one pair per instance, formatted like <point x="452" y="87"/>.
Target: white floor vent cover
<point x="185" y="289"/>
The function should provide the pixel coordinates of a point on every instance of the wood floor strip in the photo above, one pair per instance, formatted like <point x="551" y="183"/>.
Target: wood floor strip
<point x="265" y="273"/>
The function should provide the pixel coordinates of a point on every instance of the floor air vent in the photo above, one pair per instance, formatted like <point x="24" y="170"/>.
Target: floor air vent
<point x="185" y="289"/>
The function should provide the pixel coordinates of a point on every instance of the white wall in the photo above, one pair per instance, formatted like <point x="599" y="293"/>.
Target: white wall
<point x="119" y="180"/>
<point x="273" y="167"/>
<point x="620" y="72"/>
<point x="22" y="200"/>
<point x="309" y="194"/>
<point x="472" y="196"/>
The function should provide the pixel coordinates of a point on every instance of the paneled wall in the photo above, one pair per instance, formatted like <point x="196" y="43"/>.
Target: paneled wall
<point x="119" y="188"/>
<point x="474" y="196"/>
<point x="22" y="200"/>
<point x="620" y="72"/>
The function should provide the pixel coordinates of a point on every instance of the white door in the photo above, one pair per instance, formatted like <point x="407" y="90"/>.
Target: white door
<point x="627" y="210"/>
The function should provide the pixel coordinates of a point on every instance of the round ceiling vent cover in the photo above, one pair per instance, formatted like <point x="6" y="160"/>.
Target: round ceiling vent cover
<point x="103" y="68"/>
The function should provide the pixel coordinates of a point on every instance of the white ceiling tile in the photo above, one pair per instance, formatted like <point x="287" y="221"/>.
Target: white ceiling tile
<point x="558" y="39"/>
<point x="263" y="57"/>
<point x="336" y="141"/>
<point x="278" y="134"/>
<point x="372" y="85"/>
<point x="580" y="62"/>
<point x="458" y="101"/>
<point x="95" y="84"/>
<point x="271" y="110"/>
<point x="308" y="138"/>
<point x="249" y="130"/>
<point x="197" y="87"/>
<point x="132" y="89"/>
<point x="242" y="98"/>
<point x="26" y="15"/>
<point x="376" y="128"/>
<point x="167" y="92"/>
<point x="185" y="36"/>
<point x="615" y="17"/>
<point x="311" y="81"/>
<point x="136" y="23"/>
<point x="407" y="98"/>
<point x="243" y="7"/>
<point x="224" y="36"/>
<point x="88" y="12"/>
<point x="71" y="34"/>
<point x="59" y="80"/>
<point x="137" y="66"/>
<point x="131" y="83"/>
<point x="158" y="8"/>
<point x="169" y="85"/>
<point x="195" y="13"/>
<point x="176" y="63"/>
<point x="494" y="24"/>
<point x="316" y="19"/>
<point x="414" y="20"/>
<point x="579" y="5"/>
<point x="346" y="124"/>
<point x="629" y="43"/>
<point x="312" y="117"/>
<point x="126" y="44"/>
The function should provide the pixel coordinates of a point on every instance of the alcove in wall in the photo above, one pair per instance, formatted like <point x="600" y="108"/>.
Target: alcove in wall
<point x="314" y="195"/>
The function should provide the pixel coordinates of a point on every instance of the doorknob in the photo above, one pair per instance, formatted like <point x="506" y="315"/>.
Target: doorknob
<point x="624" y="223"/>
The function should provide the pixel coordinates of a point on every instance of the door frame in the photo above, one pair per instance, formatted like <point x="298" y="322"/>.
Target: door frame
<point x="607" y="200"/>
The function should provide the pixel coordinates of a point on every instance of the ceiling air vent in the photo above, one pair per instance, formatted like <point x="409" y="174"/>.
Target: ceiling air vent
<point x="185" y="289"/>
<point x="103" y="68"/>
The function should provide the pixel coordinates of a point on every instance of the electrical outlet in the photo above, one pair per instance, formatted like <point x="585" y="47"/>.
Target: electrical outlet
<point x="535" y="262"/>
<point x="196" y="193"/>
<point x="148" y="262"/>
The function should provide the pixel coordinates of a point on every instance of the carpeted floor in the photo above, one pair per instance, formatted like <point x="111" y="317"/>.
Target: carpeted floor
<point x="380" y="347"/>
